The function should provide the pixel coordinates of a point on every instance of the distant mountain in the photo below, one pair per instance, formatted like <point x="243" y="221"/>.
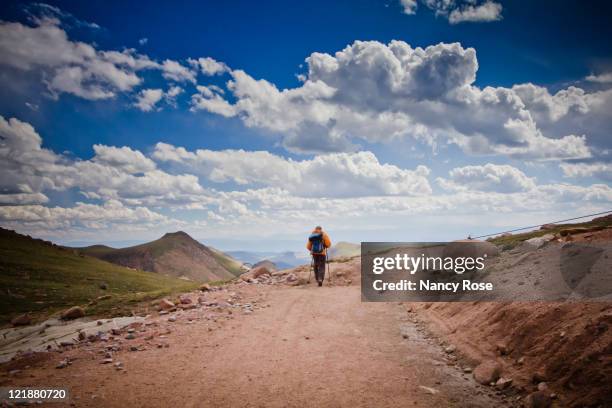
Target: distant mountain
<point x="282" y="260"/>
<point x="41" y="278"/>
<point x="267" y="264"/>
<point x="174" y="254"/>
<point x="249" y="257"/>
<point x="344" y="250"/>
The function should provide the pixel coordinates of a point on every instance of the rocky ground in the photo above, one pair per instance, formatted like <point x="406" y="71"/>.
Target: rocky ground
<point x="272" y="338"/>
<point x="257" y="344"/>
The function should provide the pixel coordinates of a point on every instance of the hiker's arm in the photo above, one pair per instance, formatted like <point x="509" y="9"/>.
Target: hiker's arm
<point x="326" y="241"/>
<point x="309" y="245"/>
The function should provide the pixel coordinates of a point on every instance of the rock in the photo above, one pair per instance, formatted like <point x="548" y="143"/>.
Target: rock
<point x="538" y="242"/>
<point x="548" y="226"/>
<point x="73" y="313"/>
<point x="260" y="271"/>
<point x="103" y="286"/>
<point x="450" y="349"/>
<point x="21" y="320"/>
<point x="106" y="361"/>
<point x="429" y="390"/>
<point x="172" y="319"/>
<point x="487" y="372"/>
<point x="63" y="364"/>
<point x="538" y="377"/>
<point x="503" y="383"/>
<point x="185" y="300"/>
<point x="103" y="297"/>
<point x="130" y="336"/>
<point x="539" y="399"/>
<point x="291" y="277"/>
<point x="542" y="386"/>
<point x="467" y="370"/>
<point x="66" y="343"/>
<point x="502" y="348"/>
<point x="205" y="287"/>
<point x="165" y="304"/>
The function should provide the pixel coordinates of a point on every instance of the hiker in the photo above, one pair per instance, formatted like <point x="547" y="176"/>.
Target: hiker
<point x="318" y="242"/>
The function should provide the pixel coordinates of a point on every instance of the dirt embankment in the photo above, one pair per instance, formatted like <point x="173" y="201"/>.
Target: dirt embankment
<point x="566" y="345"/>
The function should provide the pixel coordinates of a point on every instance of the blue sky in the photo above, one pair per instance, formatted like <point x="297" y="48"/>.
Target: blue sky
<point x="436" y="119"/>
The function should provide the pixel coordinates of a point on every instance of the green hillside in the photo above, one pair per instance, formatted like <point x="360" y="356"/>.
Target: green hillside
<point x="175" y="254"/>
<point x="229" y="263"/>
<point x="42" y="278"/>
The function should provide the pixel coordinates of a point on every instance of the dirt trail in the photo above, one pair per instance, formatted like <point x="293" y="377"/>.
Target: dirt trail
<point x="310" y="347"/>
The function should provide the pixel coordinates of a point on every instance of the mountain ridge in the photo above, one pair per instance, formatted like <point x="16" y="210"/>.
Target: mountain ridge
<point x="174" y="254"/>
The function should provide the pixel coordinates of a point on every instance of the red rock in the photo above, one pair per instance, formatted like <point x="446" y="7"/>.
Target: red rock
<point x="22" y="320"/>
<point x="165" y="304"/>
<point x="539" y="399"/>
<point x="487" y="372"/>
<point x="260" y="271"/>
<point x="73" y="313"/>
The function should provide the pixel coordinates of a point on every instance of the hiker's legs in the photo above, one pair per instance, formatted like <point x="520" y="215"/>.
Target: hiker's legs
<point x="319" y="267"/>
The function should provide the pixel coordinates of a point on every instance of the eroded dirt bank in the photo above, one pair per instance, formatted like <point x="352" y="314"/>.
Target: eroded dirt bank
<point x="566" y="346"/>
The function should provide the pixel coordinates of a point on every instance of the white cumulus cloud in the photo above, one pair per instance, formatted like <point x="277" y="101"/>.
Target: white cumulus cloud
<point x="333" y="175"/>
<point x="209" y="66"/>
<point x="577" y="170"/>
<point x="391" y="93"/>
<point x="487" y="11"/>
<point x="490" y="178"/>
<point x="409" y="6"/>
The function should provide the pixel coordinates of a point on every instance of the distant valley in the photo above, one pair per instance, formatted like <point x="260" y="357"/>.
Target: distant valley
<point x="282" y="260"/>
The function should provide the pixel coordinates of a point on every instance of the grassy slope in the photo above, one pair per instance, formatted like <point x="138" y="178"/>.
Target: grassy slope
<point x="160" y="247"/>
<point x="511" y="241"/>
<point x="43" y="279"/>
<point x="228" y="262"/>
